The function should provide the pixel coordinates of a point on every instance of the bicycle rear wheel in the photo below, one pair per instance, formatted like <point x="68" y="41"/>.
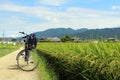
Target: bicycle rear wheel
<point x="31" y="63"/>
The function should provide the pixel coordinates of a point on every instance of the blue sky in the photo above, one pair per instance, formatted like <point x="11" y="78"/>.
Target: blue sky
<point x="38" y="15"/>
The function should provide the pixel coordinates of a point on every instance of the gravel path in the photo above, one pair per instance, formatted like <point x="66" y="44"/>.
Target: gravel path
<point x="10" y="71"/>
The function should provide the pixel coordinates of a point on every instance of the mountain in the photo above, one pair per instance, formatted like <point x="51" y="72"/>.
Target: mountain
<point x="82" y="33"/>
<point x="81" y="30"/>
<point x="58" y="32"/>
<point x="99" y="33"/>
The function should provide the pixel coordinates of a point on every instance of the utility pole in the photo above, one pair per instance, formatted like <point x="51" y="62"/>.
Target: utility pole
<point x="3" y="36"/>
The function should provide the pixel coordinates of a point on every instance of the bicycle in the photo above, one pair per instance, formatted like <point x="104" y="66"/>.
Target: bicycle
<point x="28" y="58"/>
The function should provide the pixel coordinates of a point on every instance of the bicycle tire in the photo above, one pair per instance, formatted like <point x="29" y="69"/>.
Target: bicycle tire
<point x="29" y="65"/>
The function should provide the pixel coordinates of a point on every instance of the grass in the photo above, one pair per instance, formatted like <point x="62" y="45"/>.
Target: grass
<point x="7" y="48"/>
<point x="45" y="72"/>
<point x="82" y="61"/>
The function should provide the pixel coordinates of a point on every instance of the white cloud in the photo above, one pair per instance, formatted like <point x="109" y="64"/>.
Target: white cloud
<point x="80" y="17"/>
<point x="13" y="36"/>
<point x="115" y="7"/>
<point x="74" y="17"/>
<point x="53" y="2"/>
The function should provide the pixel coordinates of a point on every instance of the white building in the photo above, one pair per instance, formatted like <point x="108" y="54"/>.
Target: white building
<point x="54" y="39"/>
<point x="76" y="39"/>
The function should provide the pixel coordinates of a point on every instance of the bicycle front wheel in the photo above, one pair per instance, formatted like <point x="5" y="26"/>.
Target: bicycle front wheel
<point x="30" y="63"/>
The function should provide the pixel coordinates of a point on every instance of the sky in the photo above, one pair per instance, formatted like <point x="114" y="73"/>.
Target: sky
<point x="39" y="15"/>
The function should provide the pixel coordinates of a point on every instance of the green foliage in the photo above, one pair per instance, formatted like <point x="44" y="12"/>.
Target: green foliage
<point x="83" y="61"/>
<point x="45" y="71"/>
<point x="14" y="40"/>
<point x="7" y="48"/>
<point x="66" y="38"/>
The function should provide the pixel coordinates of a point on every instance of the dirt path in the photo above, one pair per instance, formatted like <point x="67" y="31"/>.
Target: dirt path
<point x="10" y="71"/>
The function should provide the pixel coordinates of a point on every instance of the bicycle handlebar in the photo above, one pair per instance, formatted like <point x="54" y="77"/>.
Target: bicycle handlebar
<point x="24" y="34"/>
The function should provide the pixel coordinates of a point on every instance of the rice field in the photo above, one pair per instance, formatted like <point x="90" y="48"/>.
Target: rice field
<point x="7" y="48"/>
<point x="82" y="61"/>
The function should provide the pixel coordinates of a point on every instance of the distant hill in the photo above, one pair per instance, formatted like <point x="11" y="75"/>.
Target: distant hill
<point x="83" y="33"/>
<point x="58" y="32"/>
<point x="99" y="33"/>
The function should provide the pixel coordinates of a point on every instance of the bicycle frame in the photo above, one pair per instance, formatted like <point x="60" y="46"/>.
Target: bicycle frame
<point x="25" y="39"/>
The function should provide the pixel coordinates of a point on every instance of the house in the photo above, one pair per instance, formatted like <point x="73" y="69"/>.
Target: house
<point x="76" y="39"/>
<point x="111" y="40"/>
<point x="54" y="39"/>
<point x="42" y="40"/>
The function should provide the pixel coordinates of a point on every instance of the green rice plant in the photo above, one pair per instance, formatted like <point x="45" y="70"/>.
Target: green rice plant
<point x="45" y="71"/>
<point x="83" y="61"/>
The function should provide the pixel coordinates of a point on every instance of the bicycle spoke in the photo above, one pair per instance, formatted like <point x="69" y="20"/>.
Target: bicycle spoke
<point x="29" y="64"/>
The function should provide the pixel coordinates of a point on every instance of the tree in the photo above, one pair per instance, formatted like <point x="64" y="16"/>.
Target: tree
<point x="14" y="40"/>
<point x="66" y="38"/>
